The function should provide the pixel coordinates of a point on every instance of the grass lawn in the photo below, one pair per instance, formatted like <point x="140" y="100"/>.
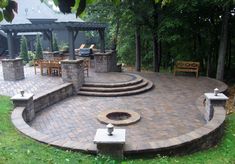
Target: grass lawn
<point x="16" y="148"/>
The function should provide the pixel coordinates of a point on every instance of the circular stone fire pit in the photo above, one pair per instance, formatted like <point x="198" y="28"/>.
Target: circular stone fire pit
<point x="118" y="117"/>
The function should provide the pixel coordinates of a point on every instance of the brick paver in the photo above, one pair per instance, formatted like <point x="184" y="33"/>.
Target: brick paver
<point x="32" y="83"/>
<point x="169" y="110"/>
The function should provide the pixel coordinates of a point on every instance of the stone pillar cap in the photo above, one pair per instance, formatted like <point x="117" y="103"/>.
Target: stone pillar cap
<point x="26" y="96"/>
<point x="118" y="137"/>
<point x="220" y="96"/>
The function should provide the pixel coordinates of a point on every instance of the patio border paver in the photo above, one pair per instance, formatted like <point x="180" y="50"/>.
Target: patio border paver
<point x="197" y="139"/>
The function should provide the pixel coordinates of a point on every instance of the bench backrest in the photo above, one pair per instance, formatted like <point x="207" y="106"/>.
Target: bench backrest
<point x="187" y="64"/>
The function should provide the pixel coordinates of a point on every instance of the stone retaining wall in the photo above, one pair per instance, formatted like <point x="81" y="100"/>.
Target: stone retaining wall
<point x="52" y="96"/>
<point x="202" y="138"/>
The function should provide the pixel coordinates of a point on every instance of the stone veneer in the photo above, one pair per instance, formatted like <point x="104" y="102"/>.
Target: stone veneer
<point x="52" y="96"/>
<point x="105" y="62"/>
<point x="73" y="72"/>
<point x="13" y="69"/>
<point x="32" y="105"/>
<point x="48" y="55"/>
<point x="25" y="100"/>
<point x="201" y="138"/>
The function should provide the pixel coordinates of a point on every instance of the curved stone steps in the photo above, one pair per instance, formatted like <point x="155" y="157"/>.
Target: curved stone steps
<point x="115" y="89"/>
<point x="119" y="93"/>
<point x="137" y="80"/>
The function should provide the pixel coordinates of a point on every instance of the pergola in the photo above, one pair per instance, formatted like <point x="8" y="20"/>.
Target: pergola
<point x="72" y="27"/>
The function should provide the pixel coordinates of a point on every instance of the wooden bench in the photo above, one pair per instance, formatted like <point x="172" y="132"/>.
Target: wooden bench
<point x="187" y="66"/>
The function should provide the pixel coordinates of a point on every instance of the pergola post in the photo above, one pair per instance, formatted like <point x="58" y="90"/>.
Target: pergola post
<point x="102" y="41"/>
<point x="15" y="50"/>
<point x="10" y="45"/>
<point x="48" y="34"/>
<point x="71" y="45"/>
<point x="50" y="40"/>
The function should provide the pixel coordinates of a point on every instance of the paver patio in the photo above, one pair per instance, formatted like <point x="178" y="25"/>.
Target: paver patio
<point x="169" y="110"/>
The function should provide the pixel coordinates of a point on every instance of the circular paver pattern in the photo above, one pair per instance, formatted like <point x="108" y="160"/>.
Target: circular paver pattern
<point x="167" y="111"/>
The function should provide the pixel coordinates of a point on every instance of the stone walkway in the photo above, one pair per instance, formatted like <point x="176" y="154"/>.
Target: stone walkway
<point x="170" y="109"/>
<point x="32" y="83"/>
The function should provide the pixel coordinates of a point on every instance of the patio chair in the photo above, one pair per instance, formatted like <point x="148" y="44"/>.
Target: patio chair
<point x="35" y="64"/>
<point x="92" y="46"/>
<point x="45" y="64"/>
<point x="81" y="47"/>
<point x="55" y="68"/>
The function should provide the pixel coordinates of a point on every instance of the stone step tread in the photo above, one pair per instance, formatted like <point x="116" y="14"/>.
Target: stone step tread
<point x="115" y="89"/>
<point x="112" y="85"/>
<point x="115" y="94"/>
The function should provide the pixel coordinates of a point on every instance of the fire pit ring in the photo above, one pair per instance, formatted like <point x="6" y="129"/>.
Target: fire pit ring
<point x="118" y="117"/>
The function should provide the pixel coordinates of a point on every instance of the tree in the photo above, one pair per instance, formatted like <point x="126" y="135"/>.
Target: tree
<point x="54" y="42"/>
<point x="38" y="46"/>
<point x="223" y="43"/>
<point x="24" y="49"/>
<point x="171" y="30"/>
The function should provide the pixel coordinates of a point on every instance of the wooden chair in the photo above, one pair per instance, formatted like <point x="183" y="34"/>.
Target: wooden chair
<point x="78" y="49"/>
<point x="92" y="46"/>
<point x="45" y="64"/>
<point x="55" y="68"/>
<point x="35" y="64"/>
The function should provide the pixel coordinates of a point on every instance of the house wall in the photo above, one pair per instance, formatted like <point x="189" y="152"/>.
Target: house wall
<point x="62" y="38"/>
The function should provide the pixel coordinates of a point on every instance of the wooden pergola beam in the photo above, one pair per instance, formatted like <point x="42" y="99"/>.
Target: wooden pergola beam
<point x="72" y="27"/>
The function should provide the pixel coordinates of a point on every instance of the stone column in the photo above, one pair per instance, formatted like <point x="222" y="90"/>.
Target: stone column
<point x="25" y="100"/>
<point x="73" y="72"/>
<point x="13" y="69"/>
<point x="213" y="100"/>
<point x="105" y="62"/>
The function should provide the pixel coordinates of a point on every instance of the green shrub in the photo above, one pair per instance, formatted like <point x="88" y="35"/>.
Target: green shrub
<point x="38" y="46"/>
<point x="31" y="55"/>
<point x="24" y="49"/>
<point x="63" y="46"/>
<point x="54" y="42"/>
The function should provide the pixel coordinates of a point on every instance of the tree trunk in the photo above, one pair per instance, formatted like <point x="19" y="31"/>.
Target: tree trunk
<point x="223" y="44"/>
<point x="115" y="37"/>
<point x="159" y="57"/>
<point x="138" y="50"/>
<point x="208" y="69"/>
<point x="155" y="53"/>
<point x="156" y="45"/>
<point x="229" y="53"/>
